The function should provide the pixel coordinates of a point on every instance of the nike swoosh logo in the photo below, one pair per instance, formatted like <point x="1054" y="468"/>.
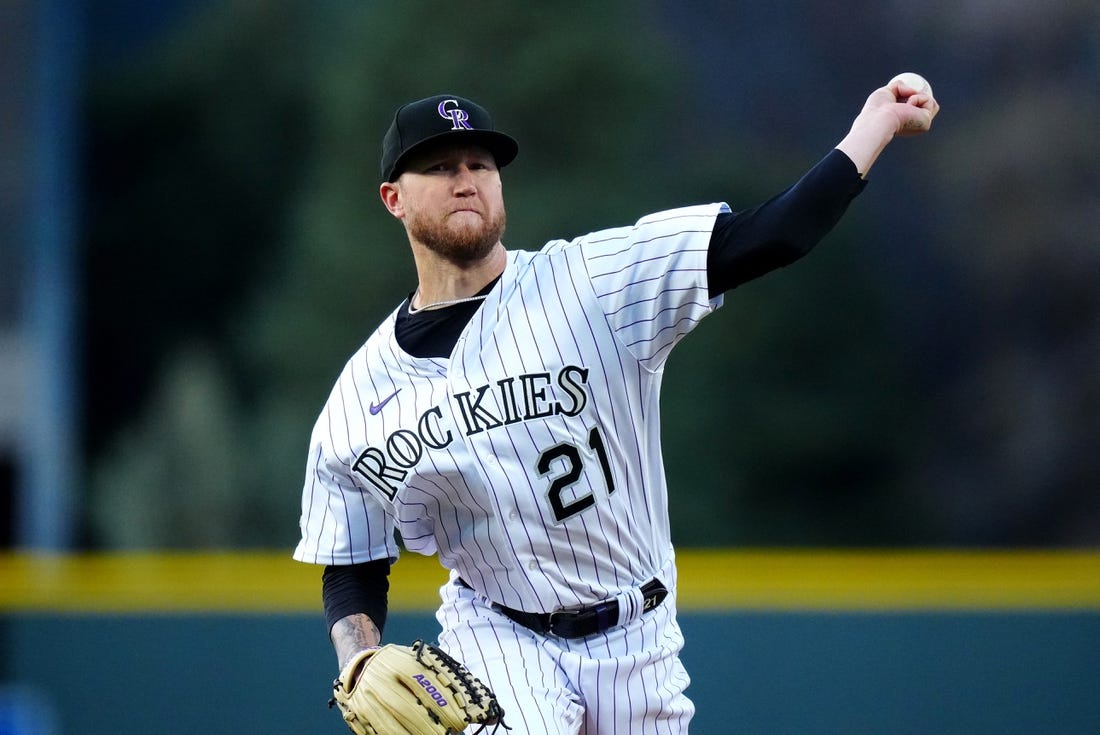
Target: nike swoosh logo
<point x="374" y="408"/>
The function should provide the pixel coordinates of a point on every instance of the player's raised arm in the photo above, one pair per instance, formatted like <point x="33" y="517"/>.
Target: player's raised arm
<point x="480" y="421"/>
<point x="904" y="107"/>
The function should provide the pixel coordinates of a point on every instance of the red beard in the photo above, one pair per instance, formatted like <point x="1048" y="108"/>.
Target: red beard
<point x="465" y="243"/>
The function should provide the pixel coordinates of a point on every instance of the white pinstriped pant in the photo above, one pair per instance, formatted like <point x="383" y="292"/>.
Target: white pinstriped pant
<point x="626" y="681"/>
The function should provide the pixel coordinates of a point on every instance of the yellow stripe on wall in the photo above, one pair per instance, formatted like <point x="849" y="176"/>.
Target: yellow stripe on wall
<point x="230" y="582"/>
<point x="718" y="580"/>
<point x="885" y="580"/>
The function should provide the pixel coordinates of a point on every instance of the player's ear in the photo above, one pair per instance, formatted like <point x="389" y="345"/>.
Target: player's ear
<point x="391" y="197"/>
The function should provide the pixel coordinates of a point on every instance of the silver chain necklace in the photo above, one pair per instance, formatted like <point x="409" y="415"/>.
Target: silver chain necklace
<point x="442" y="304"/>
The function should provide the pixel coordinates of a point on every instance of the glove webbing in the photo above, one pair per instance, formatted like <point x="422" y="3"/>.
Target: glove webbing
<point x="472" y="688"/>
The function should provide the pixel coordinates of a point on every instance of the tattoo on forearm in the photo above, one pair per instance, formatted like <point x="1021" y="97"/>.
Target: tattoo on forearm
<point x="351" y="635"/>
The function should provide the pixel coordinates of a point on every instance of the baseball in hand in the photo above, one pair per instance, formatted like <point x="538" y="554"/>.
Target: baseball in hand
<point x="912" y="80"/>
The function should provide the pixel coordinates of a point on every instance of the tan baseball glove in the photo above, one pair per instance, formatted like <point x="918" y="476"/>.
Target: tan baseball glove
<point x="413" y="690"/>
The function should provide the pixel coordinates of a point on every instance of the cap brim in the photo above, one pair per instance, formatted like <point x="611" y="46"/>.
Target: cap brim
<point x="503" y="147"/>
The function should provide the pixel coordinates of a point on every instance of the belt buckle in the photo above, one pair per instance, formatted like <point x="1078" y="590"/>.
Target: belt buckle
<point x="550" y="622"/>
<point x="566" y="623"/>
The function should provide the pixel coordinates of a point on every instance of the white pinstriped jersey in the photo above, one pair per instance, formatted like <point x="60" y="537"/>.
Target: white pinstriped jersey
<point x="530" y="459"/>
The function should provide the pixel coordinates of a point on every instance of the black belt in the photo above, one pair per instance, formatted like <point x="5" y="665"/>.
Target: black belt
<point x="587" y="620"/>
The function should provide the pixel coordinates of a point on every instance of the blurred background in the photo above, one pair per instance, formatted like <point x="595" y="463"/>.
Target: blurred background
<point x="191" y="245"/>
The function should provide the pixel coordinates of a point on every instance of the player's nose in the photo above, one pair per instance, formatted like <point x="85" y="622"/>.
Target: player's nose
<point x="464" y="180"/>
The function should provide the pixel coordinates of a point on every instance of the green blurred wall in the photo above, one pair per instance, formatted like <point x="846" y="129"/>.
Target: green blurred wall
<point x="778" y="641"/>
<point x="753" y="672"/>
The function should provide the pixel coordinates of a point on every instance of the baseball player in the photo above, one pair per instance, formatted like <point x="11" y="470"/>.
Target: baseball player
<point x="505" y="417"/>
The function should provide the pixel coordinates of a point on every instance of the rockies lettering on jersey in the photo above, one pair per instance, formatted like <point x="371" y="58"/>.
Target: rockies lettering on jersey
<point x="386" y="468"/>
<point x="529" y="460"/>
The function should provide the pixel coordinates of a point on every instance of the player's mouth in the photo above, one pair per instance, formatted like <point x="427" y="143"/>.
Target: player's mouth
<point x="466" y="210"/>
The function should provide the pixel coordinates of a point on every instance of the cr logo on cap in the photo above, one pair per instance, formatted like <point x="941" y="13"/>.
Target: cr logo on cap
<point x="450" y="110"/>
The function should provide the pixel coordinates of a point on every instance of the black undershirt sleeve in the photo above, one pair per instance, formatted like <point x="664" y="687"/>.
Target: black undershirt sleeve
<point x="748" y="244"/>
<point x="743" y="246"/>
<point x="356" y="588"/>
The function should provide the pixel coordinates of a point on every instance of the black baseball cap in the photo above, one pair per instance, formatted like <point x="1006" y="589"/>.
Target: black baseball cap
<point x="438" y="118"/>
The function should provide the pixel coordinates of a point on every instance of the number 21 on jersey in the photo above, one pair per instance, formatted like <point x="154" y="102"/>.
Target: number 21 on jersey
<point x="566" y="473"/>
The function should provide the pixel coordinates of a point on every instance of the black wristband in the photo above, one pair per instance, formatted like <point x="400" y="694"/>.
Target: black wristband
<point x="356" y="588"/>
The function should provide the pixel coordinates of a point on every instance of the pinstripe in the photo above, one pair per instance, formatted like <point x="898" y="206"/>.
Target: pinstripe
<point x="506" y="480"/>
<point x="529" y="462"/>
<point x="589" y="538"/>
<point x="607" y="417"/>
<point x="648" y="546"/>
<point x="628" y="680"/>
<point x="541" y="510"/>
<point x="604" y="551"/>
<point x="642" y="548"/>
